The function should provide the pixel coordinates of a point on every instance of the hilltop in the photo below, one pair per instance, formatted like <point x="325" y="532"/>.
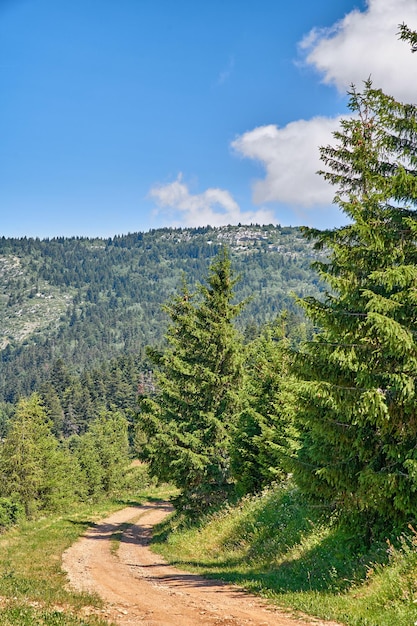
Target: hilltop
<point x="89" y="300"/>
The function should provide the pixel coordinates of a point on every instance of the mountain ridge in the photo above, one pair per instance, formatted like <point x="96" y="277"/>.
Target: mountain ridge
<point x="87" y="300"/>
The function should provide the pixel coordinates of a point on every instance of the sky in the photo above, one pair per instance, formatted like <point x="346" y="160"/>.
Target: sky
<point x="119" y="116"/>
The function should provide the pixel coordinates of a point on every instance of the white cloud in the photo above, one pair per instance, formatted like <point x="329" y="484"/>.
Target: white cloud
<point x="214" y="206"/>
<point x="365" y="44"/>
<point x="360" y="45"/>
<point x="291" y="159"/>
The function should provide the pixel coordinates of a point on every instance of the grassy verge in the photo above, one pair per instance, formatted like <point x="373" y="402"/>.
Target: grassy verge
<point x="32" y="584"/>
<point x="281" y="548"/>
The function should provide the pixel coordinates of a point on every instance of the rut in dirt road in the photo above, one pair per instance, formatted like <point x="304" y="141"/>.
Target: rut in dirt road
<point x="139" y="588"/>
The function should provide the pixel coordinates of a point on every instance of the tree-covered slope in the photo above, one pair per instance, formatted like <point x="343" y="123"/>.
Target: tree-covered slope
<point x="89" y="300"/>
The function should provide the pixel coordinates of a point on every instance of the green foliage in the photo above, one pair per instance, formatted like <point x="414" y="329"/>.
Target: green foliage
<point x="42" y="473"/>
<point x="265" y="434"/>
<point x="296" y="555"/>
<point x="357" y="409"/>
<point x="188" y="423"/>
<point x="74" y="401"/>
<point x="84" y="302"/>
<point x="102" y="455"/>
<point x="11" y="511"/>
<point x="406" y="34"/>
<point x="6" y="413"/>
<point x="33" y="467"/>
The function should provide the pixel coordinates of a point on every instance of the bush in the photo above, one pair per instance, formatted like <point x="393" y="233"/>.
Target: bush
<point x="11" y="511"/>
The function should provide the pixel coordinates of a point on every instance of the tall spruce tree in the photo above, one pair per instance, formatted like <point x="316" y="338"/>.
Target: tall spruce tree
<point x="187" y="424"/>
<point x="265" y="435"/>
<point x="357" y="396"/>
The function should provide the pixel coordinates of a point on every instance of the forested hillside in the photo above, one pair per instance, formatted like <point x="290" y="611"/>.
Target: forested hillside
<point x="87" y="301"/>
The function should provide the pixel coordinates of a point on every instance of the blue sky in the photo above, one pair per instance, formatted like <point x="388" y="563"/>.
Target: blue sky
<point x="119" y="116"/>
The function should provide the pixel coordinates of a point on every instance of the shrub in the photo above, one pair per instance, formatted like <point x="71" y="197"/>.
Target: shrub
<point x="11" y="511"/>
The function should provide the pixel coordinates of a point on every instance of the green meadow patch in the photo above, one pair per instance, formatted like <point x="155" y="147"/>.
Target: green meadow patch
<point x="278" y="546"/>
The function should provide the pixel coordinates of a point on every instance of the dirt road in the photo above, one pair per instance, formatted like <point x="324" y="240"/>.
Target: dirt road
<point x="139" y="588"/>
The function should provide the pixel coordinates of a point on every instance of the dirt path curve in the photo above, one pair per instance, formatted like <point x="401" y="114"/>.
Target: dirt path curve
<point x="139" y="588"/>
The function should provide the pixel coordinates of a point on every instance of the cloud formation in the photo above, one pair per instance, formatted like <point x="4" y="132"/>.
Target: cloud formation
<point x="291" y="159"/>
<point x="365" y="44"/>
<point x="214" y="206"/>
<point x="360" y="45"/>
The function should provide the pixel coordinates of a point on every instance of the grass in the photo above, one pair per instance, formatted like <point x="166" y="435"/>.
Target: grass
<point x="274" y="545"/>
<point x="287" y="551"/>
<point x="27" y="616"/>
<point x="116" y="537"/>
<point x="32" y="583"/>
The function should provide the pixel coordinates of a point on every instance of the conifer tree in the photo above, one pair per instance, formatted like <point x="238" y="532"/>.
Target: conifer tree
<point x="188" y="423"/>
<point x="33" y="467"/>
<point x="265" y="435"/>
<point x="406" y="34"/>
<point x="102" y="454"/>
<point x="358" y="410"/>
<point x="53" y="407"/>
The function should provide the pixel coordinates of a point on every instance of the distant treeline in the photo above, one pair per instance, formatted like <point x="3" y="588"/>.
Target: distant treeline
<point x="87" y="301"/>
